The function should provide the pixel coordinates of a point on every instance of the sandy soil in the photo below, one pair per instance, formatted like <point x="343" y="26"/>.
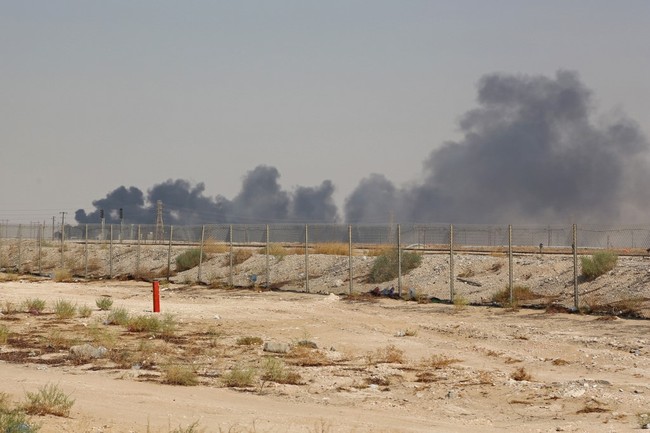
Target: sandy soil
<point x="587" y="373"/>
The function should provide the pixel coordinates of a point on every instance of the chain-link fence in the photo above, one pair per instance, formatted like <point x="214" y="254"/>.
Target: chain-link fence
<point x="459" y="262"/>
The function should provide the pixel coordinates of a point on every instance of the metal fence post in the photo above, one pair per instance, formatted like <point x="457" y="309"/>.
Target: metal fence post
<point x="20" y="248"/>
<point x="510" y="288"/>
<point x="86" y="253"/>
<point x="350" y="271"/>
<point x="576" y="300"/>
<point x="230" y="281"/>
<point x="40" y="248"/>
<point x="399" y="260"/>
<point x="451" y="263"/>
<point x="268" y="266"/>
<point x="306" y="258"/>
<point x="169" y="253"/>
<point x="110" y="253"/>
<point x="198" y="275"/>
<point x="137" y="253"/>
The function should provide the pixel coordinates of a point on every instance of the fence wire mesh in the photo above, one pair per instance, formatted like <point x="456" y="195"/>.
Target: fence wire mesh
<point x="479" y="253"/>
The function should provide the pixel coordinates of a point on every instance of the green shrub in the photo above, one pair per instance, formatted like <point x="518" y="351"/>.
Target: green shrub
<point x="188" y="259"/>
<point x="385" y="267"/>
<point x="275" y="370"/>
<point x="118" y="316"/>
<point x="104" y="303"/>
<point x="598" y="264"/>
<point x="35" y="305"/>
<point x="48" y="400"/>
<point x="144" y="323"/>
<point x="64" y="309"/>
<point x="85" y="311"/>
<point x="239" y="377"/>
<point x="15" y="421"/>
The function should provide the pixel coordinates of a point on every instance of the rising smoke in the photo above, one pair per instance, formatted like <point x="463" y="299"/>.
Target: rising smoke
<point x="260" y="200"/>
<point x="531" y="152"/>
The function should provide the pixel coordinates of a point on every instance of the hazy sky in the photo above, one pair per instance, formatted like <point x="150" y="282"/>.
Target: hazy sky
<point x="99" y="94"/>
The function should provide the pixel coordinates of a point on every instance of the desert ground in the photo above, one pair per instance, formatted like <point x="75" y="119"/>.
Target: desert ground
<point x="349" y="364"/>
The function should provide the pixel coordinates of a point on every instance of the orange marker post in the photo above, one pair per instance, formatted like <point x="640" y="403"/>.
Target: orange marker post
<point x="156" y="296"/>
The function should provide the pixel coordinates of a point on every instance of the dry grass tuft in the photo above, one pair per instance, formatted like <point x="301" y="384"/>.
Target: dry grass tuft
<point x="211" y="246"/>
<point x="332" y="248"/>
<point x="183" y="375"/>
<point x="48" y="400"/>
<point x="307" y="357"/>
<point x="438" y="362"/>
<point x="387" y="355"/>
<point x="520" y="374"/>
<point x="240" y="255"/>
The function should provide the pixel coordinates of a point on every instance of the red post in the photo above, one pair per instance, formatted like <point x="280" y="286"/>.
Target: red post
<point x="156" y="296"/>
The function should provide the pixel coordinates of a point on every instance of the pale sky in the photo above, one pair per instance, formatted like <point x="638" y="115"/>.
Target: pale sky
<point x="99" y="94"/>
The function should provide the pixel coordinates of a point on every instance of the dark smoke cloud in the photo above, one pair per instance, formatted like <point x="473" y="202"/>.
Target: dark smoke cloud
<point x="531" y="152"/>
<point x="260" y="200"/>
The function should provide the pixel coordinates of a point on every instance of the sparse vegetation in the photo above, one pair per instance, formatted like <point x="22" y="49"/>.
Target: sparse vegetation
<point x="183" y="375"/>
<point x="64" y="309"/>
<point x="62" y="275"/>
<point x="240" y="255"/>
<point x="385" y="266"/>
<point x="438" y="362"/>
<point x="389" y="355"/>
<point x="460" y="302"/>
<point x="4" y="334"/>
<point x="249" y="341"/>
<point x="34" y="305"/>
<point x="188" y="259"/>
<point x="48" y="400"/>
<point x="85" y="311"/>
<point x="307" y="357"/>
<point x="16" y="421"/>
<point x="519" y="293"/>
<point x="104" y="303"/>
<point x="275" y="370"/>
<point x="598" y="264"/>
<point x="211" y="246"/>
<point x="118" y="316"/>
<point x="144" y="323"/>
<point x="9" y="307"/>
<point x="520" y="374"/>
<point x="276" y="250"/>
<point x="239" y="377"/>
<point x="332" y="248"/>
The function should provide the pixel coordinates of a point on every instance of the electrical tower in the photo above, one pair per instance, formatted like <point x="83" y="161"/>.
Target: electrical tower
<point x="160" y="228"/>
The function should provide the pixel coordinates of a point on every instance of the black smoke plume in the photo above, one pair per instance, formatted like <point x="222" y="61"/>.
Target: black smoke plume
<point x="531" y="153"/>
<point x="261" y="200"/>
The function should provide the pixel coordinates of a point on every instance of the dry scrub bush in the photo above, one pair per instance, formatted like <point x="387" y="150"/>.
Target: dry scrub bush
<point x="469" y="272"/>
<point x="64" y="309"/>
<point x="386" y="355"/>
<point x="249" y="341"/>
<point x="85" y="311"/>
<point x="4" y="334"/>
<point x="275" y="370"/>
<point x="211" y="246"/>
<point x="307" y="357"/>
<point x="34" y="306"/>
<point x="276" y="250"/>
<point x="438" y="362"/>
<point x="118" y="316"/>
<point x="104" y="303"/>
<point x="48" y="400"/>
<point x="9" y="308"/>
<point x="460" y="302"/>
<point x="520" y="374"/>
<point x="180" y="375"/>
<point x="332" y="248"/>
<point x="519" y="293"/>
<point x="240" y="255"/>
<point x="62" y="275"/>
<point x="239" y="377"/>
